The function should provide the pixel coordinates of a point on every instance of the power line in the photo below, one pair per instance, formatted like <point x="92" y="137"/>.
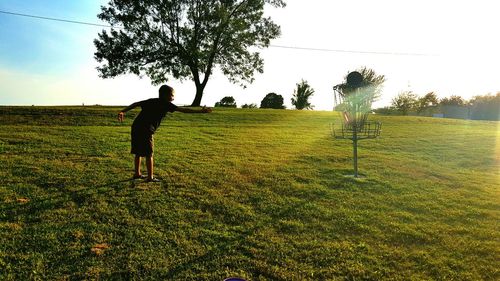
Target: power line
<point x="54" y="19"/>
<point x="349" y="51"/>
<point x="274" y="46"/>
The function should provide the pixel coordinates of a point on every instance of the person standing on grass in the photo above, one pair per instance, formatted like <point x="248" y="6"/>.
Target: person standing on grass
<point x="147" y="122"/>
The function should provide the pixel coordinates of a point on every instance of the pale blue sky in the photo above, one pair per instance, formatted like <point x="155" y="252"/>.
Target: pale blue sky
<point x="45" y="62"/>
<point x="41" y="46"/>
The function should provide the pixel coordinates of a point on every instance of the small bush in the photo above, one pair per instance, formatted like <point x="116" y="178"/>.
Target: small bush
<point x="252" y="105"/>
<point x="226" y="102"/>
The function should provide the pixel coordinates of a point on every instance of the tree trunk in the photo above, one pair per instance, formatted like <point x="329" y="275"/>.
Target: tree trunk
<point x="200" y="87"/>
<point x="199" y="95"/>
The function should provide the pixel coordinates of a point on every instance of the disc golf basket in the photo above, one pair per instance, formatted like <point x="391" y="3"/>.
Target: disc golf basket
<point x="354" y="100"/>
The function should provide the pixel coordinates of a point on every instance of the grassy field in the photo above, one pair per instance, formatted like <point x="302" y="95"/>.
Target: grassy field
<point x="260" y="194"/>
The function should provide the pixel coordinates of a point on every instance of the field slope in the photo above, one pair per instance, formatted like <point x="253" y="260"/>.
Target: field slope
<point x="260" y="194"/>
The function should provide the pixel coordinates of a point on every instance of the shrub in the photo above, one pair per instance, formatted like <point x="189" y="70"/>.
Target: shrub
<point x="252" y="105"/>
<point x="226" y="102"/>
<point x="272" y="100"/>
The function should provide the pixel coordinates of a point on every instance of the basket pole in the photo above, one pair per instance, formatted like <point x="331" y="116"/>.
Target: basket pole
<point x="355" y="154"/>
<point x="355" y="107"/>
<point x="355" y="140"/>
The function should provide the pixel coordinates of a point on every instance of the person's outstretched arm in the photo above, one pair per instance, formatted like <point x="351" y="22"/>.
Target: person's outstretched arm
<point x="121" y="115"/>
<point x="189" y="110"/>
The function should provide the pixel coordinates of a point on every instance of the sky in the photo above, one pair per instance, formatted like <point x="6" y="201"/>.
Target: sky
<point x="451" y="46"/>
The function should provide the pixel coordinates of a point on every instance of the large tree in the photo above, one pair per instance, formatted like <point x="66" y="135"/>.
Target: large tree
<point x="185" y="39"/>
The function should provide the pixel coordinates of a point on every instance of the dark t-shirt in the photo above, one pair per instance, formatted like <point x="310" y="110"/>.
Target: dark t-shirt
<point x="153" y="111"/>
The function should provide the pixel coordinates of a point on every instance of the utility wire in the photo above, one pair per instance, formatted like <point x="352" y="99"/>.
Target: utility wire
<point x="349" y="51"/>
<point x="54" y="19"/>
<point x="274" y="46"/>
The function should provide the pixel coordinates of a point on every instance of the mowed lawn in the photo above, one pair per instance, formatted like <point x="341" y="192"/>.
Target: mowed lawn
<point x="259" y="194"/>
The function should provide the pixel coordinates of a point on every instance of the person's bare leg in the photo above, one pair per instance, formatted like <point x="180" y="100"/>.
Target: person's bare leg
<point x="137" y="166"/>
<point x="149" y="166"/>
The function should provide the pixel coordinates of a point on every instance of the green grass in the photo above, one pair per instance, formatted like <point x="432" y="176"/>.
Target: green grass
<point x="260" y="194"/>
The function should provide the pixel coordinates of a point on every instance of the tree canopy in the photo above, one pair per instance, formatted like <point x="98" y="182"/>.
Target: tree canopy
<point x="453" y="101"/>
<point x="485" y="107"/>
<point x="367" y="89"/>
<point x="185" y="39"/>
<point x="272" y="100"/>
<point x="429" y="100"/>
<point x="371" y="81"/>
<point x="405" y="101"/>
<point x="301" y="96"/>
<point x="226" y="102"/>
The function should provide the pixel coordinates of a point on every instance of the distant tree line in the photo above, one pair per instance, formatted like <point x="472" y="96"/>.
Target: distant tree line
<point x="486" y="107"/>
<point x="300" y="99"/>
<point x="271" y="100"/>
<point x="303" y="92"/>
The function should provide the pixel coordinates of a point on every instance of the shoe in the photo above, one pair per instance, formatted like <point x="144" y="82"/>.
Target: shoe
<point x="153" y="180"/>
<point x="139" y="177"/>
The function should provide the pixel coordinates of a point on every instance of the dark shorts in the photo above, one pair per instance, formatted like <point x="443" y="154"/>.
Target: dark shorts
<point x="142" y="142"/>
